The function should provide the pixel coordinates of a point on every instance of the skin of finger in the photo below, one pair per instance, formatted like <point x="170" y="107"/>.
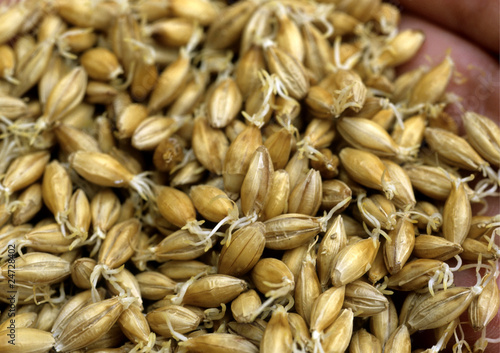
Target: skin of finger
<point x="477" y="68"/>
<point x="476" y="20"/>
<point x="481" y="92"/>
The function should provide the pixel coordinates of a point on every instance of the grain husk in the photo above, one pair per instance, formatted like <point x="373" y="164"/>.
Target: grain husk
<point x="257" y="183"/>
<point x="307" y="288"/>
<point x="238" y="159"/>
<point x="363" y="341"/>
<point x="457" y="214"/>
<point x="212" y="290"/>
<point x="364" y="299"/>
<point x="244" y="305"/>
<point x="219" y="343"/>
<point x="209" y="145"/>
<point x="338" y="335"/>
<point x="245" y="249"/>
<point x="277" y="202"/>
<point x="353" y="261"/>
<point x="278" y="334"/>
<point x="333" y="241"/>
<point x="435" y="247"/>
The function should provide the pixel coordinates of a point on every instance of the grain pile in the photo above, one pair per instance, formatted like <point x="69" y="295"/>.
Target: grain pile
<point x="195" y="176"/>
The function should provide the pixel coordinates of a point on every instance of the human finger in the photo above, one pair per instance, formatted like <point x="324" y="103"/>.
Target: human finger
<point x="476" y="20"/>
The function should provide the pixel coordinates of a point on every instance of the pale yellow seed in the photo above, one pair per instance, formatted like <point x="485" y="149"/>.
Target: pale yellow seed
<point x="362" y="342"/>
<point x="289" y="37"/>
<point x="101" y="64"/>
<point x="333" y="241"/>
<point x="257" y="183"/>
<point x="245" y="249"/>
<point x="289" y="70"/>
<point x="293" y="258"/>
<point x="230" y="23"/>
<point x="277" y="202"/>
<point x="182" y="270"/>
<point x="224" y="103"/>
<point x="181" y="320"/>
<point x="307" y="288"/>
<point x="31" y="199"/>
<point x="338" y="335"/>
<point x="152" y="130"/>
<point x="400" y="48"/>
<point x="172" y="32"/>
<point x="384" y="323"/>
<point x="243" y="306"/>
<point x="483" y="134"/>
<point x="134" y="325"/>
<point x="24" y="171"/>
<point x="414" y="275"/>
<point x="431" y="86"/>
<point x="219" y="343"/>
<point x="435" y="247"/>
<point x="484" y="307"/>
<point x="307" y="194"/>
<point x="278" y="334"/>
<point x="398" y="250"/>
<point x="399" y="341"/>
<point x="212" y="290"/>
<point x="169" y="85"/>
<point x="21" y="320"/>
<point x="440" y="309"/>
<point x="253" y="331"/>
<point x="353" y="261"/>
<point x="90" y="323"/>
<point x="155" y="285"/>
<point x="81" y="270"/>
<point x="238" y="159"/>
<point x="37" y="268"/>
<point x="326" y="308"/>
<point x="364" y="299"/>
<point x="454" y="149"/>
<point x="457" y="214"/>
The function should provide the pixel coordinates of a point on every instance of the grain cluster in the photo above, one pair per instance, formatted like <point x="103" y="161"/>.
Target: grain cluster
<point x="202" y="176"/>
